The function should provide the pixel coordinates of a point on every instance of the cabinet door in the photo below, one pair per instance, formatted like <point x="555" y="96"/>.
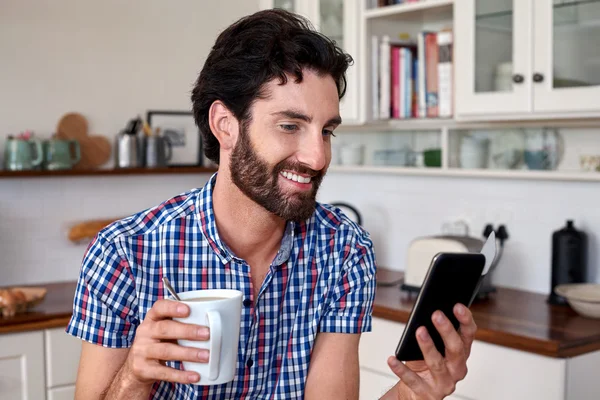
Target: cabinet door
<point x="338" y="20"/>
<point x="492" y="57"/>
<point x="22" y="366"/>
<point x="62" y="357"/>
<point x="289" y="5"/>
<point x="373" y="384"/>
<point x="63" y="393"/>
<point x="567" y="56"/>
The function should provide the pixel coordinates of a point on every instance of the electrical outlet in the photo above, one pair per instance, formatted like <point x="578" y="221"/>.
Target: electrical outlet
<point x="458" y="227"/>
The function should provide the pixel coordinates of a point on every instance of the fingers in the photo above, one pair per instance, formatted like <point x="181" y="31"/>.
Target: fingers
<point x="467" y="328"/>
<point x="157" y="372"/>
<point x="168" y="329"/>
<point x="452" y="341"/>
<point x="164" y="308"/>
<point x="408" y="376"/>
<point x="173" y="352"/>
<point x="432" y="357"/>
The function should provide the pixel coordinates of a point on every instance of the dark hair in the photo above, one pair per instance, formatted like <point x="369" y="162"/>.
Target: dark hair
<point x="253" y="51"/>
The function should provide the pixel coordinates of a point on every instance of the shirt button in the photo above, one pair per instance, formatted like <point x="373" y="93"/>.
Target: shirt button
<point x="250" y="363"/>
<point x="247" y="302"/>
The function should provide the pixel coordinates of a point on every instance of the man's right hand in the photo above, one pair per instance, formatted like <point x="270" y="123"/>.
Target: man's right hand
<point x="155" y="343"/>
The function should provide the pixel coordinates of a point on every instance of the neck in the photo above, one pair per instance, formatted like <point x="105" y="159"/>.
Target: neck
<point x="251" y="232"/>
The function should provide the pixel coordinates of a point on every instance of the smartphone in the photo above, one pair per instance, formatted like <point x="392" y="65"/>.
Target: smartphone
<point x="452" y="278"/>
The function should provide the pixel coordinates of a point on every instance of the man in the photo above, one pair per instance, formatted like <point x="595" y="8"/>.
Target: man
<point x="267" y="103"/>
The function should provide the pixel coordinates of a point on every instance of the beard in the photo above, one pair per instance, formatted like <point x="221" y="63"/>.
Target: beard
<point x="258" y="181"/>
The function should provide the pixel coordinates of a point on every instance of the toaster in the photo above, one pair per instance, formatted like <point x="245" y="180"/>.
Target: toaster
<point x="422" y="250"/>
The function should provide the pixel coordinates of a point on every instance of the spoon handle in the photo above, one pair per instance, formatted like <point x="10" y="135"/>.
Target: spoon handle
<point x="170" y="288"/>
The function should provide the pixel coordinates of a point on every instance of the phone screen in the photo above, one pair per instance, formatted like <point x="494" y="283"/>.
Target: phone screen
<point x="452" y="278"/>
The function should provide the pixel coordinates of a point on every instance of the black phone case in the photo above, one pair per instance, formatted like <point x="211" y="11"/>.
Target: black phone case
<point x="452" y="278"/>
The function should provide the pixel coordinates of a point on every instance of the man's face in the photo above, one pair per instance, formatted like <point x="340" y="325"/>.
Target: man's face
<point x="282" y="154"/>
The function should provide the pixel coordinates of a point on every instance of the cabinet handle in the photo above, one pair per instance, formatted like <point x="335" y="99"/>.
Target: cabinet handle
<point x="518" y="78"/>
<point x="537" y="77"/>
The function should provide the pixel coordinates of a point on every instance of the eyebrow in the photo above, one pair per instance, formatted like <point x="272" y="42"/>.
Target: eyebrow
<point x="294" y="114"/>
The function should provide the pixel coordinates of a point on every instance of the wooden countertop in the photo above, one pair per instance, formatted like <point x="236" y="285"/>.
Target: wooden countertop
<point x="511" y="318"/>
<point x="53" y="312"/>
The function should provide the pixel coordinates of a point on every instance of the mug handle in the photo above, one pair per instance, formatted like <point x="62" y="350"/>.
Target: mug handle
<point x="75" y="159"/>
<point x="39" y="152"/>
<point x="214" y="323"/>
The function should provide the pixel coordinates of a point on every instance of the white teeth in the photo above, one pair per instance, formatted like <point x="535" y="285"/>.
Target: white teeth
<point x="295" y="178"/>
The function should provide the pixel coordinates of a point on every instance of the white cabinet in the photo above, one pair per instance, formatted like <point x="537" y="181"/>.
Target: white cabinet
<point x="527" y="59"/>
<point x="62" y="357"/>
<point x="38" y="365"/>
<point x="22" y="366"/>
<point x="495" y="372"/>
<point x="339" y="20"/>
<point x="63" y="393"/>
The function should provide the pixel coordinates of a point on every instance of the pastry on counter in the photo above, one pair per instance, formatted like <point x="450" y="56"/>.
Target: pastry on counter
<point x="16" y="300"/>
<point x="10" y="301"/>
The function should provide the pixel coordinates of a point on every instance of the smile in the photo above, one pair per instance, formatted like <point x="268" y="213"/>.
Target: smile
<point x="295" y="178"/>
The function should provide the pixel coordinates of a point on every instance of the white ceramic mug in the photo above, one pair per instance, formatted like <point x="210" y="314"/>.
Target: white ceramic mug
<point x="221" y="312"/>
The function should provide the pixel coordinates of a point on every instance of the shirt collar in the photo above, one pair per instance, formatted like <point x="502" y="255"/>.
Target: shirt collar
<point x="208" y="227"/>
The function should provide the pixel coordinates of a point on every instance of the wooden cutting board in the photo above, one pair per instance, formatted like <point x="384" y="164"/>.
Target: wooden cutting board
<point x="95" y="150"/>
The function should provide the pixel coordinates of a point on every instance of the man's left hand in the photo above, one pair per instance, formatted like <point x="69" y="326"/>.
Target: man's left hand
<point x="435" y="377"/>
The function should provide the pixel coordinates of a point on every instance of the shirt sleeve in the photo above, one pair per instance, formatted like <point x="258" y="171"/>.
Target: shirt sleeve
<point x="350" y="306"/>
<point x="105" y="302"/>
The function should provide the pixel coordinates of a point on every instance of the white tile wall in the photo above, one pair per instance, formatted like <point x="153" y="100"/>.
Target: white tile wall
<point x="396" y="209"/>
<point x="36" y="214"/>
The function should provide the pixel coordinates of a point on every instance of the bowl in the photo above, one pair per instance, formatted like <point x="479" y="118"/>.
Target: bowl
<point x="582" y="297"/>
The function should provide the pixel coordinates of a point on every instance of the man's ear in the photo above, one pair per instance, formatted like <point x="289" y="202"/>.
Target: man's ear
<point x="223" y="124"/>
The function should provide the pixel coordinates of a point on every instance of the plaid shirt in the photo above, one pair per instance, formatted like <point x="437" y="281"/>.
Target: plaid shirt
<point x="321" y="280"/>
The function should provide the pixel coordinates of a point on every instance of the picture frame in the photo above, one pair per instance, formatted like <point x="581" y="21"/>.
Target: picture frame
<point x="180" y="129"/>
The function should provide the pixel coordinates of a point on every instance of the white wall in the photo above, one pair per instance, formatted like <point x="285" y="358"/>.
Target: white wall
<point x="109" y="60"/>
<point x="397" y="209"/>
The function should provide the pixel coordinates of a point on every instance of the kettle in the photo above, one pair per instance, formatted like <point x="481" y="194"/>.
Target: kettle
<point x="569" y="259"/>
<point x="23" y="153"/>
<point x="128" y="146"/>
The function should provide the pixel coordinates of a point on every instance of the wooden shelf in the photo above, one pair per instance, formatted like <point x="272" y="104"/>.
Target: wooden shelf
<point x="411" y="11"/>
<point x="107" y="172"/>
<point x="472" y="173"/>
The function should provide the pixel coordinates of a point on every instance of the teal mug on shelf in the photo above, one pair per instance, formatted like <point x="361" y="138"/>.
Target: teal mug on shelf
<point x="61" y="154"/>
<point x="22" y="154"/>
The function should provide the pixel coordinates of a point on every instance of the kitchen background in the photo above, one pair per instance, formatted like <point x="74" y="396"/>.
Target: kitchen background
<point x="114" y="60"/>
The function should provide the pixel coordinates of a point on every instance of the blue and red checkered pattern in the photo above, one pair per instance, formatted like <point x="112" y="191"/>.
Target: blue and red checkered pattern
<point x="322" y="280"/>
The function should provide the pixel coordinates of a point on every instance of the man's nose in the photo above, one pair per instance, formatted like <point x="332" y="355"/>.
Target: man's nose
<point x="313" y="151"/>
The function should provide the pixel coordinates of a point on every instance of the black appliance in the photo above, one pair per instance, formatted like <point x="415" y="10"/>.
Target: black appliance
<point x="569" y="259"/>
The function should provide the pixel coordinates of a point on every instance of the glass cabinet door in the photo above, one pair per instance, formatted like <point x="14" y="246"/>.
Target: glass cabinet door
<point x="492" y="52"/>
<point x="289" y="5"/>
<point x="566" y="71"/>
<point x="331" y="19"/>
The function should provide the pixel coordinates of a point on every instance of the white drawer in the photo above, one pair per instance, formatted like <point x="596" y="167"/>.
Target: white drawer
<point x="62" y="357"/>
<point x="379" y="344"/>
<point x="373" y="385"/>
<point x="63" y="393"/>
<point x="500" y="373"/>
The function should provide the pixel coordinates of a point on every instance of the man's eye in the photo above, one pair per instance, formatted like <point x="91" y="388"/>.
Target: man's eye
<point x="328" y="132"/>
<point x="289" y="127"/>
